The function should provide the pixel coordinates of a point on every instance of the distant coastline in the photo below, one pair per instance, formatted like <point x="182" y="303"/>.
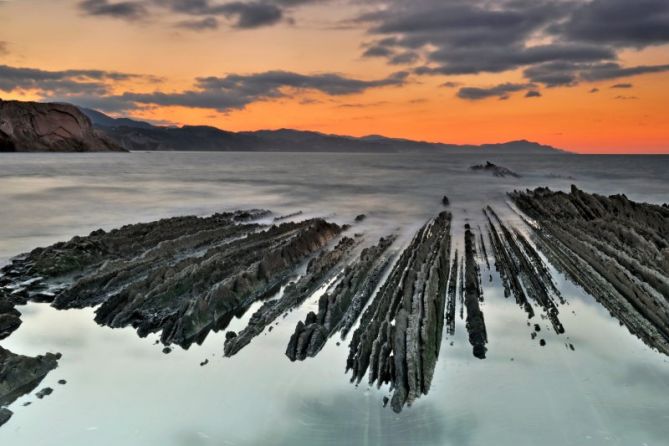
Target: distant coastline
<point x="57" y="127"/>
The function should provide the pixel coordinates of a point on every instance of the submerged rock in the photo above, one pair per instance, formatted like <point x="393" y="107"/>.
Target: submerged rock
<point x="494" y="169"/>
<point x="44" y="392"/>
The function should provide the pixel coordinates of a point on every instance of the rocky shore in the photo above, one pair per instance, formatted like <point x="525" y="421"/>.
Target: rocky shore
<point x="615" y="249"/>
<point x="186" y="276"/>
<point x="20" y="375"/>
<point x="182" y="276"/>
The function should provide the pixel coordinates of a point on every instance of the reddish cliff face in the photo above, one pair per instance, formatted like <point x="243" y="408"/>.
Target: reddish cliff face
<point x="39" y="127"/>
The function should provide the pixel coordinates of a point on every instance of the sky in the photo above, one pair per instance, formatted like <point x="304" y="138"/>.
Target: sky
<point x="590" y="76"/>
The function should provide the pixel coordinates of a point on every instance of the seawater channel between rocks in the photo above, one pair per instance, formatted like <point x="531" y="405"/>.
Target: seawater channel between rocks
<point x="258" y="396"/>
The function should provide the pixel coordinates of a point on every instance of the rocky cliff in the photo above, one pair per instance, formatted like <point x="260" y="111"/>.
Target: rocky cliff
<point x="39" y="127"/>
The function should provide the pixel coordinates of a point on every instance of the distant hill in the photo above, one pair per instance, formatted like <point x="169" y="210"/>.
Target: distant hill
<point x="137" y="135"/>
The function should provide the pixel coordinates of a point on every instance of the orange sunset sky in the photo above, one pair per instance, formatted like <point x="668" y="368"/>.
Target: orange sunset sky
<point x="587" y="76"/>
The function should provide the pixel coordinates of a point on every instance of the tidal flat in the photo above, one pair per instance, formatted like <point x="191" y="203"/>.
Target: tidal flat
<point x="469" y="321"/>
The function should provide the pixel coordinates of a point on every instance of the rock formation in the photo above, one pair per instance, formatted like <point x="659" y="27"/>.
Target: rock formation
<point x="494" y="169"/>
<point x="319" y="270"/>
<point x="615" y="249"/>
<point x="341" y="307"/>
<point x="20" y="375"/>
<point x="40" y="127"/>
<point x="181" y="276"/>
<point x="399" y="336"/>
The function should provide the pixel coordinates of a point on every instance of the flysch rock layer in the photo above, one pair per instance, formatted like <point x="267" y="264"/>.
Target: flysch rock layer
<point x="181" y="276"/>
<point x="615" y="249"/>
<point x="339" y="308"/>
<point x="319" y="270"/>
<point x="523" y="272"/>
<point x="475" y="322"/>
<point x="399" y="335"/>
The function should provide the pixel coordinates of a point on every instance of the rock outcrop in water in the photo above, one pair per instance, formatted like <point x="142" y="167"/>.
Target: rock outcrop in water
<point x="494" y="169"/>
<point x="615" y="249"/>
<point x="40" y="127"/>
<point x="181" y="276"/>
<point x="186" y="276"/>
<point x="399" y="336"/>
<point x="10" y="318"/>
<point x="478" y="336"/>
<point x="20" y="375"/>
<point x="340" y="308"/>
<point x="319" y="270"/>
<point x="522" y="270"/>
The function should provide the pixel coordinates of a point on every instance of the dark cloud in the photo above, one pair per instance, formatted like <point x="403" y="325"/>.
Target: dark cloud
<point x="615" y="71"/>
<point x="406" y="58"/>
<point x="252" y="15"/>
<point x="450" y="84"/>
<point x="555" y="74"/>
<point x="236" y="91"/>
<point x="241" y="14"/>
<point x="622" y="85"/>
<point x="59" y="82"/>
<point x="207" y="23"/>
<point x="594" y="90"/>
<point x="626" y="23"/>
<point x="501" y="91"/>
<point x="127" y="10"/>
<point x="533" y="94"/>
<point x="580" y="40"/>
<point x="625" y="98"/>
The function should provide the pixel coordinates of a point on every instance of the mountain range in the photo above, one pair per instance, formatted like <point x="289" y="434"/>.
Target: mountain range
<point x="138" y="135"/>
<point x="57" y="127"/>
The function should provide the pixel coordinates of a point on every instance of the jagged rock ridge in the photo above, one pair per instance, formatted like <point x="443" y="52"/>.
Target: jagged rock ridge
<point x="181" y="276"/>
<point x="340" y="308"/>
<point x="400" y="332"/>
<point x="615" y="249"/>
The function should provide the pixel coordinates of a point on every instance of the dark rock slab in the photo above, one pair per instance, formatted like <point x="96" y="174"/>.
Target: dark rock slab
<point x="341" y="307"/>
<point x="475" y="323"/>
<point x="494" y="169"/>
<point x="399" y="336"/>
<point x="518" y="259"/>
<point x="319" y="270"/>
<point x="617" y="250"/>
<point x="182" y="276"/>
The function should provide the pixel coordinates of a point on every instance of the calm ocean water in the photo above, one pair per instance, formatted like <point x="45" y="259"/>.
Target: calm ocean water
<point x="612" y="390"/>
